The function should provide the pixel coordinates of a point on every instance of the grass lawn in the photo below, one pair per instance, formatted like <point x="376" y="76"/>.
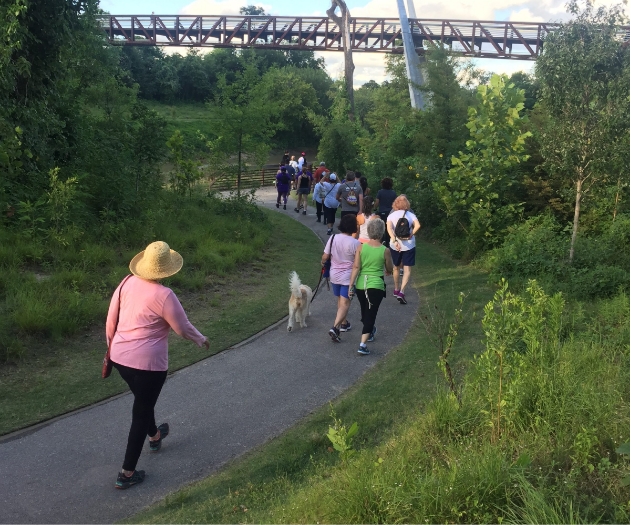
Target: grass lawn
<point x="61" y="376"/>
<point x="255" y="488"/>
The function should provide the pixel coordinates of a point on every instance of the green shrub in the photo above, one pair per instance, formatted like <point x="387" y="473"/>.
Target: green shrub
<point x="538" y="249"/>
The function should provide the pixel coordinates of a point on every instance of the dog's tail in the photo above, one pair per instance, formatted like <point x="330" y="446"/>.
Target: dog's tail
<point x="294" y="284"/>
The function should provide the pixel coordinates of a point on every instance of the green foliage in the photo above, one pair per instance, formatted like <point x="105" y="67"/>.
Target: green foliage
<point x="584" y="76"/>
<point x="442" y="332"/>
<point x="342" y="438"/>
<point x="338" y="146"/>
<point x="537" y="249"/>
<point x="515" y="329"/>
<point x="185" y="172"/>
<point x="476" y="191"/>
<point x="247" y="124"/>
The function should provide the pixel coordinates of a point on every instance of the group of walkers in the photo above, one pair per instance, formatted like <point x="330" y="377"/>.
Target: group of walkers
<point x="376" y="239"/>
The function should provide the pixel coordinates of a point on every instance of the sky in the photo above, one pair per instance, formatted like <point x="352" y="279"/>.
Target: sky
<point x="368" y="66"/>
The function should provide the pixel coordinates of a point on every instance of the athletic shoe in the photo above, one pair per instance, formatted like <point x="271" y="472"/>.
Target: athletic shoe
<point x="401" y="298"/>
<point x="296" y="210"/>
<point x="278" y="205"/>
<point x="329" y="231"/>
<point x="124" y="482"/>
<point x="335" y="335"/>
<point x="345" y="327"/>
<point x="284" y="206"/>
<point x="318" y="220"/>
<point x="156" y="445"/>
<point x="371" y="337"/>
<point x="363" y="350"/>
<point x="304" y="213"/>
<point x="395" y="294"/>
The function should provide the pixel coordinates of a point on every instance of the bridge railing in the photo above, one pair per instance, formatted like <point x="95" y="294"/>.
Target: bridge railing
<point x="479" y="38"/>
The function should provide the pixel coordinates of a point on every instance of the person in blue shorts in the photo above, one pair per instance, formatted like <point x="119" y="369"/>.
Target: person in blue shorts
<point x="402" y="249"/>
<point x="341" y="249"/>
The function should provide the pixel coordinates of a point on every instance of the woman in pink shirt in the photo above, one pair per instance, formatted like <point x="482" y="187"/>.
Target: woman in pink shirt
<point x="341" y="249"/>
<point x="141" y="314"/>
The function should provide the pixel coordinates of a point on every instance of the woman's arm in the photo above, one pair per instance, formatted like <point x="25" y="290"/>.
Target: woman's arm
<point x="173" y="313"/>
<point x="388" y="261"/>
<point x="112" y="315"/>
<point x="395" y="241"/>
<point x="357" y="266"/>
<point x="416" y="226"/>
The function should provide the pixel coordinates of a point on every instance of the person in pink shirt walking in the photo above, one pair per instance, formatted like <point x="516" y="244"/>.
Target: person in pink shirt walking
<point x="142" y="313"/>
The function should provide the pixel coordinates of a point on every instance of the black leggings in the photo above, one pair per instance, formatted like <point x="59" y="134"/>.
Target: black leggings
<point x="146" y="387"/>
<point x="369" y="314"/>
<point x="318" y="209"/>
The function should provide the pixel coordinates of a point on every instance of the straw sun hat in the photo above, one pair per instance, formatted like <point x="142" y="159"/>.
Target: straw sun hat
<point x="157" y="261"/>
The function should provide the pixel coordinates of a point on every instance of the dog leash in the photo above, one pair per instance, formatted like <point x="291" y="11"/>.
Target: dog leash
<point x="318" y="285"/>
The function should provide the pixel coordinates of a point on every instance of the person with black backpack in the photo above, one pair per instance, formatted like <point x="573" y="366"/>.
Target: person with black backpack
<point x="402" y="225"/>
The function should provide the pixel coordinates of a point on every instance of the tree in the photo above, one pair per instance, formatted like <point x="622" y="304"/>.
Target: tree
<point x="252" y="10"/>
<point x="244" y="125"/>
<point x="475" y="191"/>
<point x="584" y="75"/>
<point x="297" y="99"/>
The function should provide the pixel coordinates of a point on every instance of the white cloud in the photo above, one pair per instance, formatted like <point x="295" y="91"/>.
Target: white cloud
<point x="212" y="7"/>
<point x="524" y="15"/>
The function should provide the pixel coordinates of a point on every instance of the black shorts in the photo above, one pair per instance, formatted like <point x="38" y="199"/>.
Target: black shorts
<point x="329" y="214"/>
<point x="407" y="258"/>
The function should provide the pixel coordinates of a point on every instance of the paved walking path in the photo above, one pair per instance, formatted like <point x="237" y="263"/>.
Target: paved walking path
<point x="218" y="409"/>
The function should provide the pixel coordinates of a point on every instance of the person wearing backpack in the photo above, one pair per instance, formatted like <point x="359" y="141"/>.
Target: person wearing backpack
<point x="319" y="193"/>
<point x="402" y="225"/>
<point x="350" y="195"/>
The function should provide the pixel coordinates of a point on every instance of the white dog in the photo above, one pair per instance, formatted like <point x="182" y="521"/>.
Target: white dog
<point x="299" y="302"/>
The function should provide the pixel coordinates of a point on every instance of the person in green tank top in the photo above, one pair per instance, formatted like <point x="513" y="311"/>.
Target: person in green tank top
<point x="372" y="262"/>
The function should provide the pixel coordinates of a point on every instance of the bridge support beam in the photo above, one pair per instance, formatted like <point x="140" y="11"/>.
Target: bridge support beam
<point x="412" y="60"/>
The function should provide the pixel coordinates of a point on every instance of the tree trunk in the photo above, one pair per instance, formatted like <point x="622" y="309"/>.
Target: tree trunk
<point x="615" y="204"/>
<point x="349" y="67"/>
<point x="239" y="167"/>
<point x="577" y="211"/>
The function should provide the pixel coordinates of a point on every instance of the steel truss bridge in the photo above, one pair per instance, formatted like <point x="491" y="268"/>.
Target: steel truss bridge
<point x="473" y="38"/>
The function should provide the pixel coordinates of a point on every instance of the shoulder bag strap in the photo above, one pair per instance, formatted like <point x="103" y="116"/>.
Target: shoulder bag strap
<point x="119" y="305"/>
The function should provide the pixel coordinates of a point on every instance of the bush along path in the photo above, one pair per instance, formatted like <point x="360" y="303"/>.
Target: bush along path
<point x="218" y="409"/>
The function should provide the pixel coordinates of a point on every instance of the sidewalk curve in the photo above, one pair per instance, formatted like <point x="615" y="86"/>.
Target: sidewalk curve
<point x="218" y="409"/>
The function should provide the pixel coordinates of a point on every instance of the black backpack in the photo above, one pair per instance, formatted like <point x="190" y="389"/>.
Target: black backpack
<point x="402" y="229"/>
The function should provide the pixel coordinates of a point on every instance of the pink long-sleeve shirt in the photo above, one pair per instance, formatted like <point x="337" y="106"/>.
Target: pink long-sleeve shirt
<point x="148" y="311"/>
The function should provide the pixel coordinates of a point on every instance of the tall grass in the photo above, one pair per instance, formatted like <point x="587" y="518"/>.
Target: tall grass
<point x="52" y="290"/>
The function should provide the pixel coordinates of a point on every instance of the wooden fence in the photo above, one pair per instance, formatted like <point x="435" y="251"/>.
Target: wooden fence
<point x="249" y="180"/>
